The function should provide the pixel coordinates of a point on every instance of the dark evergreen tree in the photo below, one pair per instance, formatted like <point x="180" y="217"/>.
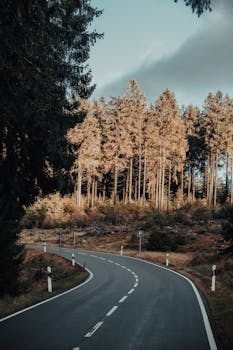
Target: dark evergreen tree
<point x="198" y="6"/>
<point x="44" y="47"/>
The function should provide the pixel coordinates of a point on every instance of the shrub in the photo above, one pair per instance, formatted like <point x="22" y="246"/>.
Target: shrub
<point x="161" y="241"/>
<point x="53" y="211"/>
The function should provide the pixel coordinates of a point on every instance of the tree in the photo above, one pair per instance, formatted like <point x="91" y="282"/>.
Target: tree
<point x="198" y="6"/>
<point x="44" y="47"/>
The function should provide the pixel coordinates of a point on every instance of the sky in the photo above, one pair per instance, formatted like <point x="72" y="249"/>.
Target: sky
<point x="162" y="44"/>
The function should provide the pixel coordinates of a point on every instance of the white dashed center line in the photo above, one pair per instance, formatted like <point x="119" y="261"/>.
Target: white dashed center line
<point x="123" y="299"/>
<point x="94" y="329"/>
<point x="112" y="310"/>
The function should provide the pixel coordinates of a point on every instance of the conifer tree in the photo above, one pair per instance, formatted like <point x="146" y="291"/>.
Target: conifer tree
<point x="44" y="47"/>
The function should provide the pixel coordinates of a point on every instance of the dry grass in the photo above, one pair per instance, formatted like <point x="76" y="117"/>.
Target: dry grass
<point x="33" y="280"/>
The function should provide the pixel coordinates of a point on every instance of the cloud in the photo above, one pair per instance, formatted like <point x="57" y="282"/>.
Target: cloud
<point x="203" y="63"/>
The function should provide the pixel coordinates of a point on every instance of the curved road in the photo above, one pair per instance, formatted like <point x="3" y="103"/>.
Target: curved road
<point x="127" y="304"/>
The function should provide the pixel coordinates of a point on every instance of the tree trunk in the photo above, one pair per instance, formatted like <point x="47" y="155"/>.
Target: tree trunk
<point x="96" y="191"/>
<point x="139" y="173"/>
<point x="79" y="187"/>
<point x="216" y="180"/>
<point x="193" y="184"/>
<point x="162" y="183"/>
<point x="130" y="179"/>
<point x="189" y="183"/>
<point x="144" y="180"/>
<point x="182" y="184"/>
<point x="93" y="193"/>
<point x="169" y="187"/>
<point x="115" y="185"/>
<point x="126" y="200"/>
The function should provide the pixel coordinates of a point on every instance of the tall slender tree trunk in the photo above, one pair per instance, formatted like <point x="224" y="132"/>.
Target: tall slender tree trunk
<point x="139" y="173"/>
<point x="79" y="187"/>
<point x="127" y="188"/>
<point x="144" y="180"/>
<point x="93" y="193"/>
<point x="193" y="184"/>
<point x="130" y="179"/>
<point x="212" y="181"/>
<point x="169" y="187"/>
<point x="157" y="188"/>
<point x="96" y="191"/>
<point x="189" y="183"/>
<point x="216" y="180"/>
<point x="162" y="183"/>
<point x="182" y="184"/>
<point x="115" y="185"/>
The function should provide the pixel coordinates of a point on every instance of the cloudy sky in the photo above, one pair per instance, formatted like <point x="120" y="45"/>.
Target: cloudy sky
<point x="163" y="45"/>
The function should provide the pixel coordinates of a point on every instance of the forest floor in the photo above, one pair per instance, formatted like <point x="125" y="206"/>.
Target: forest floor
<point x="203" y="248"/>
<point x="33" y="280"/>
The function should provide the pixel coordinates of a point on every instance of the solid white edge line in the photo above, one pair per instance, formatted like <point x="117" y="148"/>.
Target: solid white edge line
<point x="113" y="309"/>
<point x="123" y="299"/>
<point x="94" y="329"/>
<point x="206" y="321"/>
<point x="50" y="299"/>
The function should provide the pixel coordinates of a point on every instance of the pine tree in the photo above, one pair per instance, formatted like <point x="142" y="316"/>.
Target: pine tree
<point x="44" y="47"/>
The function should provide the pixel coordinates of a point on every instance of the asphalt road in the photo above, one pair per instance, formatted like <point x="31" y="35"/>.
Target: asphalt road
<point x="127" y="304"/>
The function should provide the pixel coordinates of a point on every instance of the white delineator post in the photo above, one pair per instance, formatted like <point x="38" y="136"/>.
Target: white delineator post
<point x="122" y="250"/>
<point x="45" y="247"/>
<point x="213" y="278"/>
<point x="73" y="259"/>
<point x="49" y="274"/>
<point x="167" y="260"/>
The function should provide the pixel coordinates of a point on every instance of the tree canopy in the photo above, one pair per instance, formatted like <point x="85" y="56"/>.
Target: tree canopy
<point x="44" y="48"/>
<point x="198" y="6"/>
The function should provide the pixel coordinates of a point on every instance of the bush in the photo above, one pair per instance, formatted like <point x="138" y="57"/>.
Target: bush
<point x="202" y="214"/>
<point x="53" y="211"/>
<point x="162" y="241"/>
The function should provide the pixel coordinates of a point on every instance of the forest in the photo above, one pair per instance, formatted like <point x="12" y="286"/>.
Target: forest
<point x="128" y="152"/>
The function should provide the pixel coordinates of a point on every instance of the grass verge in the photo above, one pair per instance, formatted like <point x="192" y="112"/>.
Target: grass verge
<point x="33" y="280"/>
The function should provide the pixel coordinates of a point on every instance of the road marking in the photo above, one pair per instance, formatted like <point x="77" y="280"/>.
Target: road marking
<point x="131" y="291"/>
<point x="123" y="299"/>
<point x="129" y="270"/>
<point x="123" y="267"/>
<point x="135" y="286"/>
<point x="102" y="259"/>
<point x="94" y="329"/>
<point x="111" y="261"/>
<point x="111" y="311"/>
<point x="50" y="299"/>
<point x="75" y="348"/>
<point x="136" y="280"/>
<point x="117" y="264"/>
<point x="94" y="256"/>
